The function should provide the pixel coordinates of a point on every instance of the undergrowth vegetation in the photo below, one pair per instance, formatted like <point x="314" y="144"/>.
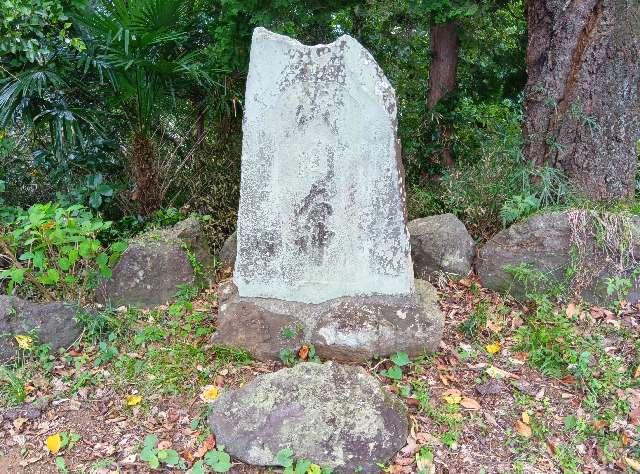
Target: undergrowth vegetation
<point x="52" y="250"/>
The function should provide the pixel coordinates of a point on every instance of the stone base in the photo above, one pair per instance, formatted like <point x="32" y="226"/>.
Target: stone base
<point x="350" y="329"/>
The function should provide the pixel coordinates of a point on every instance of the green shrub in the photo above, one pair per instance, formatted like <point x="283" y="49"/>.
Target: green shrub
<point x="54" y="251"/>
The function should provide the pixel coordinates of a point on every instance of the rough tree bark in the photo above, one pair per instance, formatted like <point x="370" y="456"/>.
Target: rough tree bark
<point x="442" y="74"/>
<point x="147" y="193"/>
<point x="582" y="99"/>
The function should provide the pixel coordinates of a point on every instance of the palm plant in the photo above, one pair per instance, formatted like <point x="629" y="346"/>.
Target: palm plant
<point x="152" y="53"/>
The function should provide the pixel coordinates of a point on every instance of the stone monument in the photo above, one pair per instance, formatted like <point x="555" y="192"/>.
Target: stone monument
<point x="323" y="250"/>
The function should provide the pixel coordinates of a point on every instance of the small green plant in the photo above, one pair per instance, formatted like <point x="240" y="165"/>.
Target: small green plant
<point x="54" y="248"/>
<point x="216" y="460"/>
<point x="285" y="458"/>
<point x="477" y="320"/>
<point x="61" y="465"/>
<point x="155" y="457"/>
<point x="400" y="360"/>
<point x="618" y="287"/>
<point x="306" y="353"/>
<point x="289" y="332"/>
<point x="518" y="207"/>
<point x="12" y="386"/>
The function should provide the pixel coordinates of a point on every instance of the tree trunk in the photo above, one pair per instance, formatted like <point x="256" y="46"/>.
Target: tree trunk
<point x="582" y="99"/>
<point x="148" y="193"/>
<point x="442" y="75"/>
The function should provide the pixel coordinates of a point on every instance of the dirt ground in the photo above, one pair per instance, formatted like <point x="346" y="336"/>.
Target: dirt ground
<point x="477" y="406"/>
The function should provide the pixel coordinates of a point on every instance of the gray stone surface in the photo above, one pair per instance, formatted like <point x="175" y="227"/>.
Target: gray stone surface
<point x="228" y="251"/>
<point x="552" y="243"/>
<point x="337" y="416"/>
<point x="154" y="266"/>
<point x="52" y="323"/>
<point x="354" y="328"/>
<point x="440" y="244"/>
<point x="321" y="211"/>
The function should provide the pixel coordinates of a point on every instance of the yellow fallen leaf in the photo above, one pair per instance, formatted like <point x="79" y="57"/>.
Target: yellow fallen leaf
<point x="637" y="373"/>
<point x="24" y="342"/>
<point x="133" y="400"/>
<point x="493" y="348"/>
<point x="452" y="399"/>
<point x="209" y="393"/>
<point x="496" y="373"/>
<point x="470" y="403"/>
<point x="54" y="443"/>
<point x="633" y="464"/>
<point x="452" y="396"/>
<point x="525" y="418"/>
<point x="523" y="429"/>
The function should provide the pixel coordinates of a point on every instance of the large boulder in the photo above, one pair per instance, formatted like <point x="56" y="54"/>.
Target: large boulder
<point x="51" y="323"/>
<point x="336" y="416"/>
<point x="440" y="244"/>
<point x="578" y="252"/>
<point x="156" y="264"/>
<point x="350" y="328"/>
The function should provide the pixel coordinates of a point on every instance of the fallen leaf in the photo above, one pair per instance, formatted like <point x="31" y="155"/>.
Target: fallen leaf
<point x="209" y="393"/>
<point x="164" y="444"/>
<point x="208" y="444"/>
<point x="633" y="464"/>
<point x="525" y="418"/>
<point x="18" y="422"/>
<point x="637" y="372"/>
<point x="470" y="403"/>
<point x="551" y="447"/>
<point x="496" y="373"/>
<point x="599" y="424"/>
<point x="571" y="310"/>
<point x="490" y="419"/>
<point x="54" y="443"/>
<point x="625" y="439"/>
<point x="452" y="396"/>
<point x="493" y="326"/>
<point x="133" y="400"/>
<point x="303" y="353"/>
<point x="493" y="348"/>
<point x="523" y="429"/>
<point x="24" y="342"/>
<point x="521" y="356"/>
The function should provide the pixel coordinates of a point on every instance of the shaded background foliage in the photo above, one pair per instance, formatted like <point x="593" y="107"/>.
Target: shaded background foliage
<point x="128" y="110"/>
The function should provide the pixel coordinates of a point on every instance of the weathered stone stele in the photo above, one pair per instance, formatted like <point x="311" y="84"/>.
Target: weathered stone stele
<point x="323" y="258"/>
<point x="323" y="252"/>
<point x="321" y="207"/>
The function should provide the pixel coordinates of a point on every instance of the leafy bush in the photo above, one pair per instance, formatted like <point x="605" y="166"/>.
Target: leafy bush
<point x="54" y="250"/>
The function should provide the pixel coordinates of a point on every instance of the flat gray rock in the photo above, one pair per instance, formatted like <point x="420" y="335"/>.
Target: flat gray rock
<point x="336" y="416"/>
<point x="155" y="265"/>
<point x="321" y="211"/>
<point x="351" y="328"/>
<point x="52" y="323"/>
<point x="440" y="244"/>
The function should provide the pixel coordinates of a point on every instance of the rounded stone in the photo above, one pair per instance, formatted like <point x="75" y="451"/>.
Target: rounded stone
<point x="337" y="416"/>
<point x="440" y="244"/>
